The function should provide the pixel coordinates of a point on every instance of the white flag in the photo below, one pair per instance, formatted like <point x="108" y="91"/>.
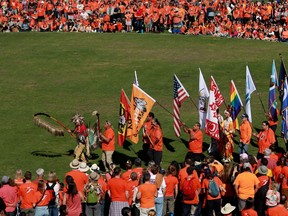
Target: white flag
<point x="202" y="98"/>
<point x="212" y="126"/>
<point x="250" y="88"/>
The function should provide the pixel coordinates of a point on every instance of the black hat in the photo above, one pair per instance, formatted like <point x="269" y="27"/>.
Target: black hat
<point x="244" y="116"/>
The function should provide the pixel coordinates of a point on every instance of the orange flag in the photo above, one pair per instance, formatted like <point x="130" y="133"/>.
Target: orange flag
<point x="141" y="105"/>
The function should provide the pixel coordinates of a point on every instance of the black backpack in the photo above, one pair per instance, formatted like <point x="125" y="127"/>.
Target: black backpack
<point x="50" y="189"/>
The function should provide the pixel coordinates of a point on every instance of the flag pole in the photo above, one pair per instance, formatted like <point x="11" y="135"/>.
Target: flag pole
<point x="193" y="103"/>
<point x="170" y="112"/>
<point x="261" y="101"/>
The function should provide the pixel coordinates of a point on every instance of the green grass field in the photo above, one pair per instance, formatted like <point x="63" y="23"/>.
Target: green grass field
<point x="63" y="73"/>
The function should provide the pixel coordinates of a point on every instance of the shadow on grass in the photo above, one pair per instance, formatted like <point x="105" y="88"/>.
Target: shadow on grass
<point x="185" y="142"/>
<point x="120" y="159"/>
<point x="46" y="154"/>
<point x="167" y="144"/>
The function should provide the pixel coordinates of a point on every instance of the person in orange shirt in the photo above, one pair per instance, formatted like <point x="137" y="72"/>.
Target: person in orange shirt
<point x="156" y="146"/>
<point x="278" y="210"/>
<point x="132" y="183"/>
<point x="212" y="203"/>
<point x="146" y="131"/>
<point x="147" y="192"/>
<point x="126" y="175"/>
<point x="248" y="210"/>
<point x="42" y="198"/>
<point x="195" y="142"/>
<point x="245" y="134"/>
<point x="26" y="193"/>
<point x="108" y="145"/>
<point x="118" y="192"/>
<point x="171" y="190"/>
<point x="246" y="185"/>
<point x="138" y="169"/>
<point x="266" y="137"/>
<point x="190" y="206"/>
<point x="79" y="177"/>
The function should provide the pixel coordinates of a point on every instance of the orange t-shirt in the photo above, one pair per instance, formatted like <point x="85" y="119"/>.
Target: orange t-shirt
<point x="126" y="175"/>
<point x="171" y="181"/>
<point x="195" y="145"/>
<point x="131" y="185"/>
<point x="45" y="200"/>
<point x="156" y="135"/>
<point x="147" y="128"/>
<point x="117" y="188"/>
<point x="205" y="185"/>
<point x="265" y="139"/>
<point x="147" y="191"/>
<point x="245" y="132"/>
<point x="80" y="179"/>
<point x="182" y="176"/>
<point x="27" y="192"/>
<point x="197" y="186"/>
<point x="139" y="171"/>
<point x="109" y="146"/>
<point x="246" y="182"/>
<point x="249" y="212"/>
<point x="278" y="210"/>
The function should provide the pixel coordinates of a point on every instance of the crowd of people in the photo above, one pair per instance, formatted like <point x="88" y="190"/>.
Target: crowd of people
<point x="197" y="185"/>
<point x="222" y="18"/>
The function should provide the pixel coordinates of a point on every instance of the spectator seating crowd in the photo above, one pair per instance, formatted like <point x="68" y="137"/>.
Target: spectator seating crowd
<point x="221" y="18"/>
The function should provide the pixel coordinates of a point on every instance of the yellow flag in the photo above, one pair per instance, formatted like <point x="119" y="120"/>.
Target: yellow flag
<point x="141" y="105"/>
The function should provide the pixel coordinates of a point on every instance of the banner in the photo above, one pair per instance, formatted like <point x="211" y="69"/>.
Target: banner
<point x="250" y="88"/>
<point x="124" y="116"/>
<point x="141" y="105"/>
<point x="212" y="126"/>
<point x="203" y="94"/>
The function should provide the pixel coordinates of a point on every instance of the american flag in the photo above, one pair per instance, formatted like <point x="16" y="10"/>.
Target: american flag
<point x="180" y="94"/>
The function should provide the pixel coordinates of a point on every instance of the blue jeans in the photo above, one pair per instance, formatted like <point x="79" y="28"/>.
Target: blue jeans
<point x="243" y="148"/>
<point x="53" y="210"/>
<point x="41" y="211"/>
<point x="159" y="201"/>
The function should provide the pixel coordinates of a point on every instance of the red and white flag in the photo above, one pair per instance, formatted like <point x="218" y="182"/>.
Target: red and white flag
<point x="124" y="117"/>
<point x="212" y="126"/>
<point x="219" y="99"/>
<point x="180" y="94"/>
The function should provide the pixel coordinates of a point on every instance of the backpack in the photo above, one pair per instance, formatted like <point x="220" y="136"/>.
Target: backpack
<point x="93" y="194"/>
<point x="50" y="189"/>
<point x="189" y="191"/>
<point x="213" y="188"/>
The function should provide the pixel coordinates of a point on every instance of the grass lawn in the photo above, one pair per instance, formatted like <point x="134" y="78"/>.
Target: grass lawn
<point x="63" y="73"/>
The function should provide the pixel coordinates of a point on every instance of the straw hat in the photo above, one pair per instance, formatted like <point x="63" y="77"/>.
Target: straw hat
<point x="74" y="164"/>
<point x="83" y="167"/>
<point x="94" y="168"/>
<point x="263" y="170"/>
<point x="94" y="176"/>
<point x="227" y="209"/>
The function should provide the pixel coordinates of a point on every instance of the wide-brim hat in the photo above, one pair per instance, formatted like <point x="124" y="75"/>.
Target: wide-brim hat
<point x="94" y="176"/>
<point x="227" y="209"/>
<point x="74" y="164"/>
<point x="94" y="168"/>
<point x="83" y="167"/>
<point x="263" y="170"/>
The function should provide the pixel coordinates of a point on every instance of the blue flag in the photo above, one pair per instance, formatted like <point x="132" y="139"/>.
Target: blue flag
<point x="272" y="103"/>
<point x="284" y="108"/>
